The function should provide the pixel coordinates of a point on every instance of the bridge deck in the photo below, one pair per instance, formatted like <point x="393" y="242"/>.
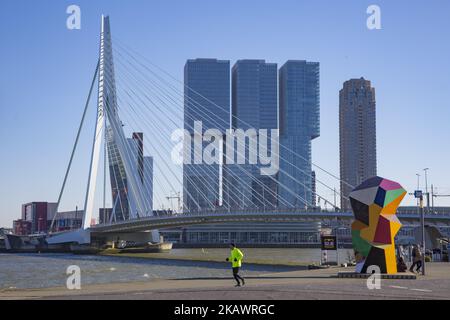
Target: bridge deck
<point x="180" y="220"/>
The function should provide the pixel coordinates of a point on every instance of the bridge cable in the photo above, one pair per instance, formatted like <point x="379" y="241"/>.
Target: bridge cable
<point x="268" y="190"/>
<point x="74" y="147"/>
<point x="124" y="47"/>
<point x="155" y="105"/>
<point x="297" y="182"/>
<point x="286" y="161"/>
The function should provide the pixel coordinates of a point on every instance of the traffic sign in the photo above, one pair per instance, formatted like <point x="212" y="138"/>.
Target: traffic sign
<point x="329" y="242"/>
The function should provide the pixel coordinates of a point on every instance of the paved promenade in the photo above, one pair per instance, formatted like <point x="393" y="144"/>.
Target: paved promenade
<point x="306" y="284"/>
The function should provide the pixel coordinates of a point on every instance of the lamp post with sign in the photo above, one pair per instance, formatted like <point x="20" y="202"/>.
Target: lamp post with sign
<point x="422" y="225"/>
<point x="426" y="190"/>
<point x="418" y="194"/>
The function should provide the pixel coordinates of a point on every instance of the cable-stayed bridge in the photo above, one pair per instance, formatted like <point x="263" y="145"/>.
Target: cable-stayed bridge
<point x="133" y="93"/>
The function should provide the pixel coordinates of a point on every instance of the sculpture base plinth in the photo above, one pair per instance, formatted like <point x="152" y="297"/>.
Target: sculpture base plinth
<point x="398" y="276"/>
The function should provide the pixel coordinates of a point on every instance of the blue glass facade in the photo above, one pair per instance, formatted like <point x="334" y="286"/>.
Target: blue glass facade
<point x="299" y="116"/>
<point x="260" y="99"/>
<point x="254" y="106"/>
<point x="206" y="99"/>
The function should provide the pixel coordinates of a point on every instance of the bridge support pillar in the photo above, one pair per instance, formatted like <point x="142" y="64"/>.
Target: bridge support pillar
<point x="80" y="236"/>
<point x="137" y="237"/>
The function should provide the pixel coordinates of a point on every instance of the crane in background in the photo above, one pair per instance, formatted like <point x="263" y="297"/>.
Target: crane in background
<point x="434" y="195"/>
<point x="178" y="197"/>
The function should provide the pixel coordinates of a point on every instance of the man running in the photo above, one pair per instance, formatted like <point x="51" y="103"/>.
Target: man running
<point x="235" y="258"/>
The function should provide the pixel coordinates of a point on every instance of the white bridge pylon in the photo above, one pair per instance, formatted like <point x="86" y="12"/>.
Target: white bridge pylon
<point x="107" y="112"/>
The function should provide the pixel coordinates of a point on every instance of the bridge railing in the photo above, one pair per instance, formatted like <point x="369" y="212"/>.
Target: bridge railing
<point x="439" y="211"/>
<point x="404" y="212"/>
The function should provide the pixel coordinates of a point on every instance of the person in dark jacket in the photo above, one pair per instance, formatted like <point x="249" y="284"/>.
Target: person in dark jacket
<point x="417" y="259"/>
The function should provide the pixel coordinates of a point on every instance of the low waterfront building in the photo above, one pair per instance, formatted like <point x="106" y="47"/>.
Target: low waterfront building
<point x="4" y="231"/>
<point x="294" y="234"/>
<point x="250" y="234"/>
<point x="21" y="227"/>
<point x="68" y="220"/>
<point x="35" y="216"/>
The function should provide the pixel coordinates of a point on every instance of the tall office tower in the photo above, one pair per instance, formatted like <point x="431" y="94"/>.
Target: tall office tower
<point x="206" y="100"/>
<point x="118" y="179"/>
<point x="144" y="165"/>
<point x="299" y="124"/>
<point x="122" y="205"/>
<point x="357" y="135"/>
<point x="148" y="180"/>
<point x="254" y="107"/>
<point x="138" y="137"/>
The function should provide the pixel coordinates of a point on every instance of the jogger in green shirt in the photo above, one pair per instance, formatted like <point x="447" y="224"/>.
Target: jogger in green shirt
<point x="235" y="258"/>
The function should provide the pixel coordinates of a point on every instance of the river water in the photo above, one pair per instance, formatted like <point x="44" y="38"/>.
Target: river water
<point x="20" y="271"/>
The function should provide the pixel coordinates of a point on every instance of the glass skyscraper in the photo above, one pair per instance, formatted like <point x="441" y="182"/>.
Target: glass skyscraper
<point x="206" y="99"/>
<point x="122" y="204"/>
<point x="254" y="106"/>
<point x="118" y="179"/>
<point x="299" y="117"/>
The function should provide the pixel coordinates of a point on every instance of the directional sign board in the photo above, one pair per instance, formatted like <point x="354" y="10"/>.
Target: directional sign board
<point x="418" y="194"/>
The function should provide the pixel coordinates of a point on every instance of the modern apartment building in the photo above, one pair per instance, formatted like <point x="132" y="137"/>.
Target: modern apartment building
<point x="357" y="135"/>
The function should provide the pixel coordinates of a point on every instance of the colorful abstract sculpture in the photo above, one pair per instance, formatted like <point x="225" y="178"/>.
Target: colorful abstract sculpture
<point x="374" y="205"/>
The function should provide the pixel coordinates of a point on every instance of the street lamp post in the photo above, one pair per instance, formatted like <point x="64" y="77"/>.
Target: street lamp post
<point x="337" y="242"/>
<point x="418" y="188"/>
<point x="422" y="226"/>
<point x="426" y="189"/>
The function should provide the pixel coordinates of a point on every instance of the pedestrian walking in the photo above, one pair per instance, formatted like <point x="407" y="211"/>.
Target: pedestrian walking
<point x="417" y="259"/>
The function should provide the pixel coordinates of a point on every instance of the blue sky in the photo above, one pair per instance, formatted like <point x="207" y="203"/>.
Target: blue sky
<point x="46" y="71"/>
